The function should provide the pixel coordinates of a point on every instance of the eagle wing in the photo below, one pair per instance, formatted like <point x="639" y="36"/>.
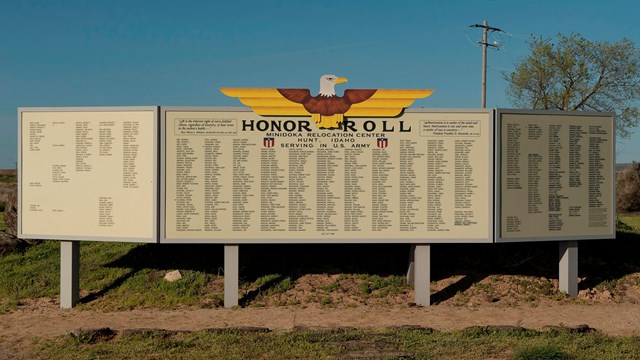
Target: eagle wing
<point x="385" y="102"/>
<point x="265" y="101"/>
<point x="355" y="96"/>
<point x="296" y="95"/>
<point x="364" y="102"/>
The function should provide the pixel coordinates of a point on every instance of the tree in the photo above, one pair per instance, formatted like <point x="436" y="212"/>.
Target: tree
<point x="577" y="74"/>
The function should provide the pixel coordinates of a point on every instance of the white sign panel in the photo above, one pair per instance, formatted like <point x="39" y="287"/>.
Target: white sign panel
<point x="88" y="174"/>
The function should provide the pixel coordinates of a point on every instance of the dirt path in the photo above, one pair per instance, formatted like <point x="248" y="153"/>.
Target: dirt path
<point x="44" y="321"/>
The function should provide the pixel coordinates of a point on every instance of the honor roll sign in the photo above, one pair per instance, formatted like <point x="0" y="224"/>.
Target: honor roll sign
<point x="298" y="168"/>
<point x="241" y="177"/>
<point x="327" y="168"/>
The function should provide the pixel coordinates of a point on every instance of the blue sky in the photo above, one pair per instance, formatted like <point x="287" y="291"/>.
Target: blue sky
<point x="136" y="53"/>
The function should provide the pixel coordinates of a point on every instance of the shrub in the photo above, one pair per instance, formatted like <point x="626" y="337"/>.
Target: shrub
<point x="628" y="188"/>
<point x="5" y="192"/>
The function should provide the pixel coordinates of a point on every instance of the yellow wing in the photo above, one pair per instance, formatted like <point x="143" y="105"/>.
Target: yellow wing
<point x="386" y="102"/>
<point x="266" y="101"/>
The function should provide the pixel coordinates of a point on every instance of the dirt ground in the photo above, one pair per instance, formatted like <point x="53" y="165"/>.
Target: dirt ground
<point x="43" y="319"/>
<point x="472" y="286"/>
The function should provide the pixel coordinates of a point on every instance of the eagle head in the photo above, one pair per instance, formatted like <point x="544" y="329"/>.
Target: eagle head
<point x="327" y="83"/>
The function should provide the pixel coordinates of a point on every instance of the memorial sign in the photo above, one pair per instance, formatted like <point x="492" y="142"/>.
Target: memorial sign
<point x="88" y="173"/>
<point x="351" y="169"/>
<point x="232" y="176"/>
<point x="556" y="176"/>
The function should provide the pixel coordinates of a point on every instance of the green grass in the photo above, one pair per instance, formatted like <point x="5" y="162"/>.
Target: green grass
<point x="133" y="277"/>
<point x="345" y="343"/>
<point x="628" y="224"/>
<point x="379" y="286"/>
<point x="30" y="275"/>
<point x="9" y="179"/>
<point x="114" y="283"/>
<point x="540" y="352"/>
<point x="272" y="284"/>
<point x="147" y="289"/>
<point x="334" y="286"/>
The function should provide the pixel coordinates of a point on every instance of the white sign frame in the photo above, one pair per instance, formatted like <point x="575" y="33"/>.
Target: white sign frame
<point x="153" y="229"/>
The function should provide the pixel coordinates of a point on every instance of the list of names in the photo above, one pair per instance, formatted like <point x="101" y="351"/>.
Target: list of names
<point x="557" y="175"/>
<point x="239" y="176"/>
<point x="89" y="174"/>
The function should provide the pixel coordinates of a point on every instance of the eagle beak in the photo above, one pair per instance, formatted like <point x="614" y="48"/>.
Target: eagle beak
<point x="341" y="80"/>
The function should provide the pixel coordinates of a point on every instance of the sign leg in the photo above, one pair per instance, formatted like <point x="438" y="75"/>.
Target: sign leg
<point x="568" y="274"/>
<point x="422" y="269"/>
<point x="69" y="273"/>
<point x="411" y="273"/>
<point x="231" y="274"/>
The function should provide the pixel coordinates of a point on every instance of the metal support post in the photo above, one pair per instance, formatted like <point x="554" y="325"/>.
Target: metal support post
<point x="422" y="271"/>
<point x="411" y="273"/>
<point x="231" y="274"/>
<point x="568" y="274"/>
<point x="69" y="273"/>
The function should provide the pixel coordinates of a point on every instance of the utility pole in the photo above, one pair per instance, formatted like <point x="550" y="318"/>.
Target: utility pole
<point x="485" y="29"/>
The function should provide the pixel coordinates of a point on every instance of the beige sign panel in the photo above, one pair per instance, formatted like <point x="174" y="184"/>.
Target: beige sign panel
<point x="88" y="174"/>
<point x="557" y="176"/>
<point x="237" y="176"/>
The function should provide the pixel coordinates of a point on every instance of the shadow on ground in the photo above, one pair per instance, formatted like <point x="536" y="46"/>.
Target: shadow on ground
<point x="599" y="260"/>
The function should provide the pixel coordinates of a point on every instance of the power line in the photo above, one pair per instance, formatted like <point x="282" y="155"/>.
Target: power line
<point x="485" y="44"/>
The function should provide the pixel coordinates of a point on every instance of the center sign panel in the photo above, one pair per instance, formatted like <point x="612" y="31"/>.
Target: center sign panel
<point x="237" y="177"/>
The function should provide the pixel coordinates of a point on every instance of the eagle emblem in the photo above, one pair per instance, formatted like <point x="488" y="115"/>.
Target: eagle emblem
<point x="327" y="109"/>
